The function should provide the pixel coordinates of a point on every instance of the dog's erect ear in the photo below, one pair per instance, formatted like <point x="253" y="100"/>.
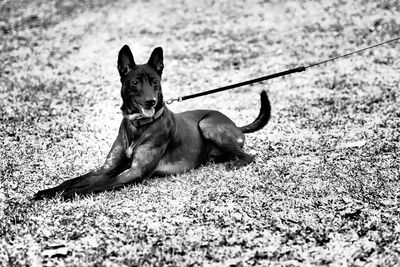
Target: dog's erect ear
<point x="156" y="60"/>
<point x="125" y="61"/>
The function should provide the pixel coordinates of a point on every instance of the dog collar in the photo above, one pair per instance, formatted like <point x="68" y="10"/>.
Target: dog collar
<point x="144" y="121"/>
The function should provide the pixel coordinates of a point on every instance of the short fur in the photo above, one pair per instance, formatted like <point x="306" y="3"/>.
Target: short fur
<point x="154" y="141"/>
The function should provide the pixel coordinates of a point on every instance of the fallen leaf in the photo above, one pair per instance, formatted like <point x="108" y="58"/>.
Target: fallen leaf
<point x="55" y="250"/>
<point x="352" y="144"/>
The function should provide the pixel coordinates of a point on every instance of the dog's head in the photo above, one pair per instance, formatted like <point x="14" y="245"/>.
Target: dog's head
<point x="141" y="84"/>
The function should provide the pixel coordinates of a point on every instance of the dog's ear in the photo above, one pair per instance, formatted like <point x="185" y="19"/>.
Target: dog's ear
<point x="125" y="61"/>
<point x="156" y="60"/>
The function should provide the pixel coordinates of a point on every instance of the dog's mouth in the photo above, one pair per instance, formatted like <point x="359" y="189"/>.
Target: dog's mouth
<point x="146" y="112"/>
<point x="140" y="112"/>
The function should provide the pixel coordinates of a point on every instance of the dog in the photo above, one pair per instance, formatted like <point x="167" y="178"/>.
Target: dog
<point x="154" y="141"/>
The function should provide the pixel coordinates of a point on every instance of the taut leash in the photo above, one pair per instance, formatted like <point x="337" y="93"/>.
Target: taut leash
<point x="275" y="75"/>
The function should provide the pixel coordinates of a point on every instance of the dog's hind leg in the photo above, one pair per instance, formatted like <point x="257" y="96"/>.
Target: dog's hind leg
<point x="226" y="137"/>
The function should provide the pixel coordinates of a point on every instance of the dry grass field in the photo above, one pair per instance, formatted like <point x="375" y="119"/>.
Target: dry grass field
<point x="324" y="187"/>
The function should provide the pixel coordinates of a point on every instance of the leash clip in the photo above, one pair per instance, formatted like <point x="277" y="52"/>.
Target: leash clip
<point x="172" y="100"/>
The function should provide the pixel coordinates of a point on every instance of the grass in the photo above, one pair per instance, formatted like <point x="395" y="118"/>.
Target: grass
<point x="324" y="187"/>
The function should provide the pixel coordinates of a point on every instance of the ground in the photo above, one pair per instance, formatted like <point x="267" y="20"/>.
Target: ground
<point x="324" y="187"/>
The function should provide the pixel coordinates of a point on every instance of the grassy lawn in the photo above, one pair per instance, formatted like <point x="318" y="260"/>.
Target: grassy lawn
<point x="324" y="187"/>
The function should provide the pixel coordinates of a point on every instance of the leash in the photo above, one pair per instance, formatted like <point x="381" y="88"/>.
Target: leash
<point x="275" y="75"/>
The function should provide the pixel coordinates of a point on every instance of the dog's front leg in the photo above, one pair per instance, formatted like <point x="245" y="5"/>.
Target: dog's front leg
<point x="144" y="162"/>
<point x="116" y="162"/>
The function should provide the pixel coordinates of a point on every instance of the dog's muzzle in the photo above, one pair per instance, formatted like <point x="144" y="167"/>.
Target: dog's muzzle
<point x="142" y="112"/>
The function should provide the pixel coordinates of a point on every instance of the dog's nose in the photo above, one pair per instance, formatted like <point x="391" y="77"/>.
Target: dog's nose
<point x="150" y="103"/>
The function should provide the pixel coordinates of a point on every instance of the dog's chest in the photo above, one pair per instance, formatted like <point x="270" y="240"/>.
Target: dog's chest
<point x="131" y="139"/>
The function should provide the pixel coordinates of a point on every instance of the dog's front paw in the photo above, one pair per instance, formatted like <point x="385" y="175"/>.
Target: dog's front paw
<point x="54" y="192"/>
<point x="47" y="193"/>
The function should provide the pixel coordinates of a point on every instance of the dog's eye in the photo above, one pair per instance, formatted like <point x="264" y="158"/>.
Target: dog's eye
<point x="134" y="82"/>
<point x="155" y="81"/>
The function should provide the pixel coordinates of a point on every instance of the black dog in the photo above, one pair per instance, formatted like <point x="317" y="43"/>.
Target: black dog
<point x="152" y="140"/>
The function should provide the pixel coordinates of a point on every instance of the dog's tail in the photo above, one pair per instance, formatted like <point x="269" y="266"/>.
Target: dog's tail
<point x="263" y="116"/>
